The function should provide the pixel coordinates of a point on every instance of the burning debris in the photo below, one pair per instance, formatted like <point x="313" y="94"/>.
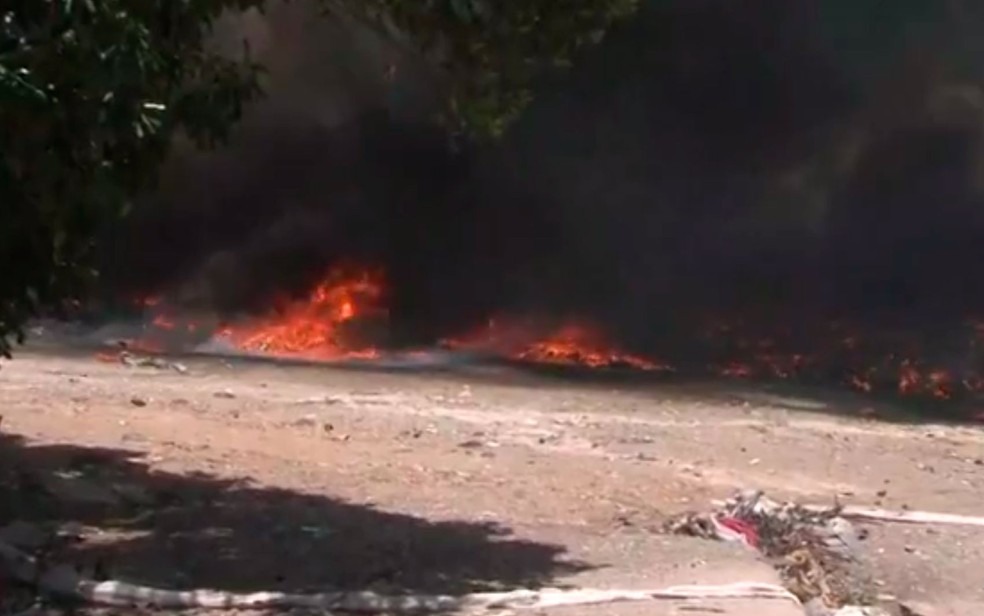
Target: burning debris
<point x="345" y="316"/>
<point x="318" y="327"/>
<point x="323" y="326"/>
<point x="571" y="344"/>
<point x="580" y="346"/>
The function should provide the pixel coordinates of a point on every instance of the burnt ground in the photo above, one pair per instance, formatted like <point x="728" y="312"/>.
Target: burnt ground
<point x="266" y="476"/>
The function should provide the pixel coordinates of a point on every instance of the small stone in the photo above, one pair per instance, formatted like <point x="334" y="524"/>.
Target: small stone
<point x="138" y="401"/>
<point x="308" y="421"/>
<point x="471" y="444"/>
<point x="691" y="470"/>
<point x="225" y="393"/>
<point x="881" y="493"/>
<point x="623" y="520"/>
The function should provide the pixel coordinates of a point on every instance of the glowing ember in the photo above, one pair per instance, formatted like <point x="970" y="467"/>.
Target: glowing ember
<point x="572" y="345"/>
<point x="864" y="362"/>
<point x="313" y="328"/>
<point x="577" y="345"/>
<point x="163" y="322"/>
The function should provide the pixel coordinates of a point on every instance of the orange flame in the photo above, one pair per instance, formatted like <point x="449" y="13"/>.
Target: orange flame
<point x="312" y="328"/>
<point x="575" y="344"/>
<point x="572" y="344"/>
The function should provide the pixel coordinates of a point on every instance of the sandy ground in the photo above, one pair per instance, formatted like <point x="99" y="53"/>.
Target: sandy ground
<point x="256" y="475"/>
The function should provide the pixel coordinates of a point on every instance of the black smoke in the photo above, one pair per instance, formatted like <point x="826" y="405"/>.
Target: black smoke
<point x="782" y="160"/>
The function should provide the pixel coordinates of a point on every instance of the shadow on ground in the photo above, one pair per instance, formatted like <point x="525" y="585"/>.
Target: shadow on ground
<point x="180" y="531"/>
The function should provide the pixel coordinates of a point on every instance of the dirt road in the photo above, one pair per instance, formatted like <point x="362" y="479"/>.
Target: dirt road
<point x="249" y="475"/>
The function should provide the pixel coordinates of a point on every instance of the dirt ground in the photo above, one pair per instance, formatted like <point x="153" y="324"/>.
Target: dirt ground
<point x="249" y="475"/>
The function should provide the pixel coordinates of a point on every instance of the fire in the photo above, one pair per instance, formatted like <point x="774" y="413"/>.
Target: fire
<point x="314" y="327"/>
<point x="866" y="363"/>
<point x="162" y="321"/>
<point x="326" y="324"/>
<point x="571" y="344"/>
<point x="575" y="344"/>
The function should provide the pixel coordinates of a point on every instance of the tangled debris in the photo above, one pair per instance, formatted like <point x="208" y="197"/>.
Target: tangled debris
<point x="814" y="550"/>
<point x="132" y="360"/>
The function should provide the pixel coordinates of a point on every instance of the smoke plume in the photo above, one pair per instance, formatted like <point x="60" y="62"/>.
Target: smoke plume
<point x="765" y="157"/>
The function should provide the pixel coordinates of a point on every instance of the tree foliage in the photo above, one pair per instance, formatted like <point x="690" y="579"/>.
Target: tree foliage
<point x="92" y="93"/>
<point x="492" y="50"/>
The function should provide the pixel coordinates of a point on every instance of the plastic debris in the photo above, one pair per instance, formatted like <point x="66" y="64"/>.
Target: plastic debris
<point x="816" y="551"/>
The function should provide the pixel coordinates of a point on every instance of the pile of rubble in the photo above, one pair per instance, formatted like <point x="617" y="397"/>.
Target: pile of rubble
<point x="816" y="551"/>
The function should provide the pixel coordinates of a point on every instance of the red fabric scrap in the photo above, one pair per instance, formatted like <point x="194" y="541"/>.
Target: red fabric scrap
<point x="746" y="530"/>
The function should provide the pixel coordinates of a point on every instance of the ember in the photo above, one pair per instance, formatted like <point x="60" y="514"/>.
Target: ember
<point x="866" y="363"/>
<point x="578" y="345"/>
<point x="572" y="344"/>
